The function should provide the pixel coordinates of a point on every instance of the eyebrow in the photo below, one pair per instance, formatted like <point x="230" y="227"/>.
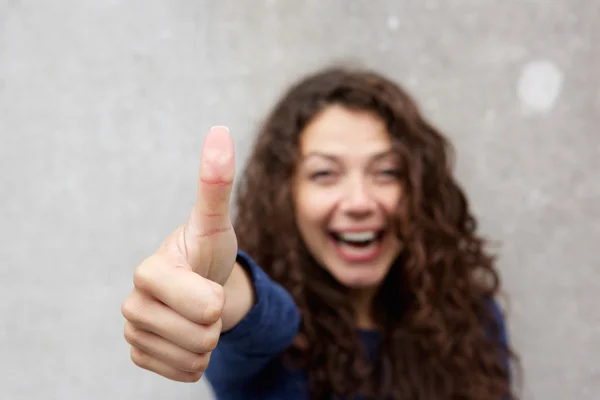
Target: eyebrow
<point x="335" y="157"/>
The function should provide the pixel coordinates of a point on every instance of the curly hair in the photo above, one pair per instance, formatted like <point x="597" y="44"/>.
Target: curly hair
<point x="440" y="337"/>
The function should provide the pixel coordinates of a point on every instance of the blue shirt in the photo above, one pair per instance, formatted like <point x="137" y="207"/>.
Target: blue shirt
<point x="246" y="363"/>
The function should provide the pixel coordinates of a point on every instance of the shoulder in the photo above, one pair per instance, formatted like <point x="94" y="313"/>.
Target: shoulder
<point x="497" y="314"/>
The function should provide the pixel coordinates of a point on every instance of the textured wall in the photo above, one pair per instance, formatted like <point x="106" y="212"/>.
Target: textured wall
<point x="103" y="106"/>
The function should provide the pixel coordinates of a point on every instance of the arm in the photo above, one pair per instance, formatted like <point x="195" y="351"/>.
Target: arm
<point x="260" y="321"/>
<point x="240" y="296"/>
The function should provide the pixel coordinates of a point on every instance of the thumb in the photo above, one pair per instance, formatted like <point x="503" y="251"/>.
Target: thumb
<point x="210" y="214"/>
<point x="210" y="243"/>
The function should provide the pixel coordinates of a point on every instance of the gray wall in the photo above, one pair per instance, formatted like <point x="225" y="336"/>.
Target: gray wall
<point x="103" y="107"/>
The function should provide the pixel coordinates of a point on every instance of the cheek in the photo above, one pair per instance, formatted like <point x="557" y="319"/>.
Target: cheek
<point x="313" y="208"/>
<point x="390" y="199"/>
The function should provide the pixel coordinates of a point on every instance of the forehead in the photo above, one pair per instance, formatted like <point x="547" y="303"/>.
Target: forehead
<point x="343" y="132"/>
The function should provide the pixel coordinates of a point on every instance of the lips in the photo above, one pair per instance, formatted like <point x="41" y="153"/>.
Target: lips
<point x="358" y="245"/>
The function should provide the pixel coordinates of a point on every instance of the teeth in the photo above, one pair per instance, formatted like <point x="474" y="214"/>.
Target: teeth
<point x="357" y="236"/>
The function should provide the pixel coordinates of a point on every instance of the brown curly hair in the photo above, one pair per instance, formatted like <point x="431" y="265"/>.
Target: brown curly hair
<point x="440" y="339"/>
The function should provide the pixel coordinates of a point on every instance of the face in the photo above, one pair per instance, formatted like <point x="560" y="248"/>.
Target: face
<point x="347" y="190"/>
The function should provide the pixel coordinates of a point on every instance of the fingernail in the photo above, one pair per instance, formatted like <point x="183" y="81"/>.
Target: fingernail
<point x="216" y="147"/>
<point x="219" y="126"/>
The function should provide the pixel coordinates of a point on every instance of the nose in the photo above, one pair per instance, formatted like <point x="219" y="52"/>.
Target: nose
<point x="358" y="200"/>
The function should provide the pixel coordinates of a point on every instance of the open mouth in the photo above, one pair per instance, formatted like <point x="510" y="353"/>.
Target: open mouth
<point x="357" y="239"/>
<point x="358" y="246"/>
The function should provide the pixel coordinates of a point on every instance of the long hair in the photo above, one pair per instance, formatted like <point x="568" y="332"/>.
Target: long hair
<point x="439" y="335"/>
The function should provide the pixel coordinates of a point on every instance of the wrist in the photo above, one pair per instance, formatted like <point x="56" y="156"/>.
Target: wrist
<point x="240" y="297"/>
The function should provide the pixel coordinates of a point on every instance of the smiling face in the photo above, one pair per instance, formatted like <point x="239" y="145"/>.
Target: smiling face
<point x="347" y="190"/>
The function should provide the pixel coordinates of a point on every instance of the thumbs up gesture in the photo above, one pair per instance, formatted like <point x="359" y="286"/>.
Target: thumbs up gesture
<point x="173" y="315"/>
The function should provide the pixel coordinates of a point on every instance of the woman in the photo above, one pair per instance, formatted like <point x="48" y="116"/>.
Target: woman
<point x="363" y="274"/>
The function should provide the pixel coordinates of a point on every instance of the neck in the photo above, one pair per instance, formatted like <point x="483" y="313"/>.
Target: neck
<point x="362" y="302"/>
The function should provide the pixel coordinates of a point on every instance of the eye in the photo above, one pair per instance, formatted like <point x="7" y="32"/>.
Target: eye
<point x="321" y="174"/>
<point x="324" y="177"/>
<point x="388" y="174"/>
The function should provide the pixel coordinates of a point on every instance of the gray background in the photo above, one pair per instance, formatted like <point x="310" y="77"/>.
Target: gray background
<point x="104" y="104"/>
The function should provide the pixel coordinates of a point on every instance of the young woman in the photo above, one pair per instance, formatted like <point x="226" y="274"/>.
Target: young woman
<point x="360" y="273"/>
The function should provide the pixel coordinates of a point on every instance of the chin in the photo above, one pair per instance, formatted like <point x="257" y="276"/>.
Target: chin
<point x="360" y="277"/>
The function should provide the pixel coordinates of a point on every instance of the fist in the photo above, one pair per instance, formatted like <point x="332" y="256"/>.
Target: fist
<point x="173" y="314"/>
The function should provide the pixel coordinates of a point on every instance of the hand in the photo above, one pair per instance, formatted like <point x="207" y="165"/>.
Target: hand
<point x="173" y="315"/>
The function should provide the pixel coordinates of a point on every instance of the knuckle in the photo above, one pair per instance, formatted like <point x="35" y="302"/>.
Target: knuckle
<point x="132" y="307"/>
<point x="142" y="276"/>
<point x="139" y="358"/>
<point x="133" y="335"/>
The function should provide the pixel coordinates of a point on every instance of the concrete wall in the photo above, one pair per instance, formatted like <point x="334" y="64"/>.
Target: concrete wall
<point x="103" y="107"/>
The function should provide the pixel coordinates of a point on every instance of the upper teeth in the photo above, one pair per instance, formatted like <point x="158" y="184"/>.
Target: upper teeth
<point x="358" y="236"/>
